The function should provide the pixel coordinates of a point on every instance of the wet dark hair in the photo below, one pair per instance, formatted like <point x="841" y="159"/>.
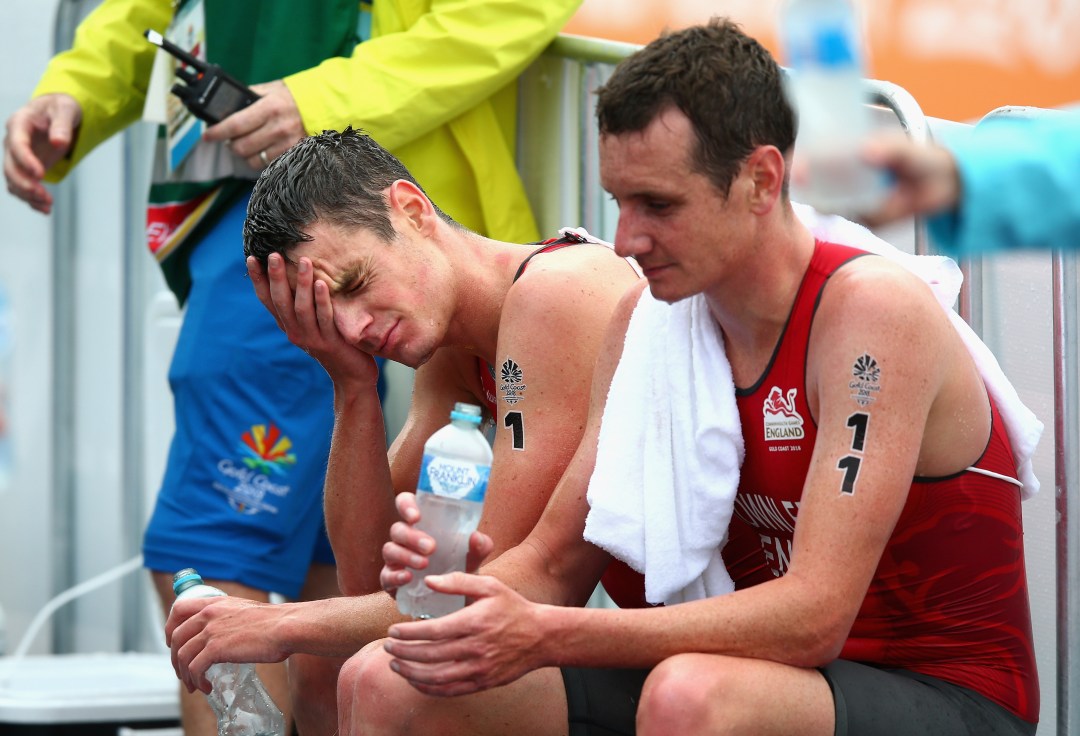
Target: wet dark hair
<point x="723" y="81"/>
<point x="337" y="178"/>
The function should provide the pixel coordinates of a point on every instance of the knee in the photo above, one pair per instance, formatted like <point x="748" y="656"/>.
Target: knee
<point x="368" y="693"/>
<point x="676" y="698"/>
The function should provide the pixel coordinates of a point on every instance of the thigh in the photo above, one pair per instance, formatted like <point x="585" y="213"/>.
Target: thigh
<point x="904" y="703"/>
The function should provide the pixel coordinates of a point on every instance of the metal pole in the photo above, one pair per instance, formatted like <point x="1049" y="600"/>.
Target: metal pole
<point x="64" y="252"/>
<point x="1066" y="441"/>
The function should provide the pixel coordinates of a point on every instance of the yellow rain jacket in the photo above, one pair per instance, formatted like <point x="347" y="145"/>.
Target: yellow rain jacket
<point x="435" y="84"/>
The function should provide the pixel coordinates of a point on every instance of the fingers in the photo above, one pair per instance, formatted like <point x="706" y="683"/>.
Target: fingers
<point x="408" y="546"/>
<point x="456" y="624"/>
<point x="282" y="297"/>
<point x="304" y="296"/>
<point x="449" y="679"/>
<point x="261" y="284"/>
<point x="467" y="584"/>
<point x="407" y="507"/>
<point x="65" y="119"/>
<point x="480" y="546"/>
<point x="23" y="170"/>
<point x="398" y="560"/>
<point x="185" y="635"/>
<point x="324" y="310"/>
<point x="265" y="129"/>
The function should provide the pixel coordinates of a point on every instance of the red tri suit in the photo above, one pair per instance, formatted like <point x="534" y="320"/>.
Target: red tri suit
<point x="949" y="597"/>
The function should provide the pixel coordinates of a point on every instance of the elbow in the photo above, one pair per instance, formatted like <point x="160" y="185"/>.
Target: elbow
<point x="826" y="650"/>
<point x="821" y="640"/>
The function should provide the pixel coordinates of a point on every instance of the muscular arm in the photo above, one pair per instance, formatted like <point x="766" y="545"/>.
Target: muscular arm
<point x="551" y="333"/>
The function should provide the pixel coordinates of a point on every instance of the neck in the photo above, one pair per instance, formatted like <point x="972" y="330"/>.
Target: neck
<point x="482" y="273"/>
<point x="754" y="306"/>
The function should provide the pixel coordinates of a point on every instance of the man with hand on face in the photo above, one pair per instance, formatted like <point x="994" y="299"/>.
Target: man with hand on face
<point x="241" y="499"/>
<point x="354" y="261"/>
<point x="872" y="579"/>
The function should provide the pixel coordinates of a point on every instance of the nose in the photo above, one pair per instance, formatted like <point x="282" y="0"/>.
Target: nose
<point x="352" y="323"/>
<point x="630" y="238"/>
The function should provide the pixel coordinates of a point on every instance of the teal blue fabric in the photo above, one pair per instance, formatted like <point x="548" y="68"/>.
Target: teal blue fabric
<point x="1021" y="187"/>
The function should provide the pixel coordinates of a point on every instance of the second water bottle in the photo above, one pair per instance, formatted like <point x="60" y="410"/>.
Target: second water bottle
<point x="239" y="699"/>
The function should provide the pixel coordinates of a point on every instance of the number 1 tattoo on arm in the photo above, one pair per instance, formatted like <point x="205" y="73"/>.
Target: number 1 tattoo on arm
<point x="850" y="464"/>
<point x="514" y="421"/>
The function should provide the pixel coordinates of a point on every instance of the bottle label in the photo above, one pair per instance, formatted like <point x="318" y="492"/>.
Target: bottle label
<point x="452" y="478"/>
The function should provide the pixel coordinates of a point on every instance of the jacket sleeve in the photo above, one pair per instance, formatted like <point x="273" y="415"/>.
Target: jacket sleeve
<point x="106" y="70"/>
<point x="402" y="84"/>
<point x="1020" y="182"/>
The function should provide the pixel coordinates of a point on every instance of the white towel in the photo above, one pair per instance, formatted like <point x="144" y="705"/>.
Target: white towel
<point x="670" y="446"/>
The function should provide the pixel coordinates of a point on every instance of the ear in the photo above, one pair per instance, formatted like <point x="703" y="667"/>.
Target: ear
<point x="412" y="206"/>
<point x="766" y="170"/>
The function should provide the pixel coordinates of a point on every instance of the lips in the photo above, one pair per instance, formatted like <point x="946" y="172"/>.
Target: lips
<point x="650" y="271"/>
<point x="385" y="341"/>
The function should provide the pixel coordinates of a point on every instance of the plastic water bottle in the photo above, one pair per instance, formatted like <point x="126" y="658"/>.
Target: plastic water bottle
<point x="825" y="85"/>
<point x="239" y="699"/>
<point x="450" y="495"/>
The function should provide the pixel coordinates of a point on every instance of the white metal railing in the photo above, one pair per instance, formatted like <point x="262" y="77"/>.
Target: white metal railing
<point x="1066" y="359"/>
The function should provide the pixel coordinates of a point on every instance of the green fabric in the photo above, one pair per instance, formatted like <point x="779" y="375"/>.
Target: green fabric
<point x="263" y="40"/>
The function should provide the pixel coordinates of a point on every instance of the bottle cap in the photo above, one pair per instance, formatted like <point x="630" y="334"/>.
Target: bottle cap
<point x="466" y="412"/>
<point x="834" y="48"/>
<point x="185" y="579"/>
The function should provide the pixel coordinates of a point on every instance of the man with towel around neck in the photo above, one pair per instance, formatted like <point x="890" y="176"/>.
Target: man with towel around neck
<point x="875" y="546"/>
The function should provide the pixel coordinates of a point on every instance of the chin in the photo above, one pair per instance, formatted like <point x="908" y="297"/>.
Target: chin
<point x="666" y="294"/>
<point x="414" y="356"/>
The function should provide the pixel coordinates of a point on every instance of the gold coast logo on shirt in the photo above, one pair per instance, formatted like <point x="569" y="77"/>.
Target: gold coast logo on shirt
<point x="265" y="454"/>
<point x="267" y="449"/>
<point x="782" y="420"/>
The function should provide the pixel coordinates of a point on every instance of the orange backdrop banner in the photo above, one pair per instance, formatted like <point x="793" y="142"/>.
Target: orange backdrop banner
<point x="960" y="59"/>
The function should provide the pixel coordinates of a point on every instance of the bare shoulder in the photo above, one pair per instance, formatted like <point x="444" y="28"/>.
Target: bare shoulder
<point x="876" y="289"/>
<point x="585" y="268"/>
<point x="581" y="282"/>
<point x="876" y="309"/>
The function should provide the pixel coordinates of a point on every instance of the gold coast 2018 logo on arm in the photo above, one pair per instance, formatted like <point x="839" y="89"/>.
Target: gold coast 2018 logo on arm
<point x="266" y="454"/>
<point x="782" y="420"/>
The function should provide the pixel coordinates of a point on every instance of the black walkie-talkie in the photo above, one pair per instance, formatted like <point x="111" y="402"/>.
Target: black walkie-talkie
<point x="210" y="93"/>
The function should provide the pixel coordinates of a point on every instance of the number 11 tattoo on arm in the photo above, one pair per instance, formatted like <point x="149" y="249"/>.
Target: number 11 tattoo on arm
<point x="850" y="464"/>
